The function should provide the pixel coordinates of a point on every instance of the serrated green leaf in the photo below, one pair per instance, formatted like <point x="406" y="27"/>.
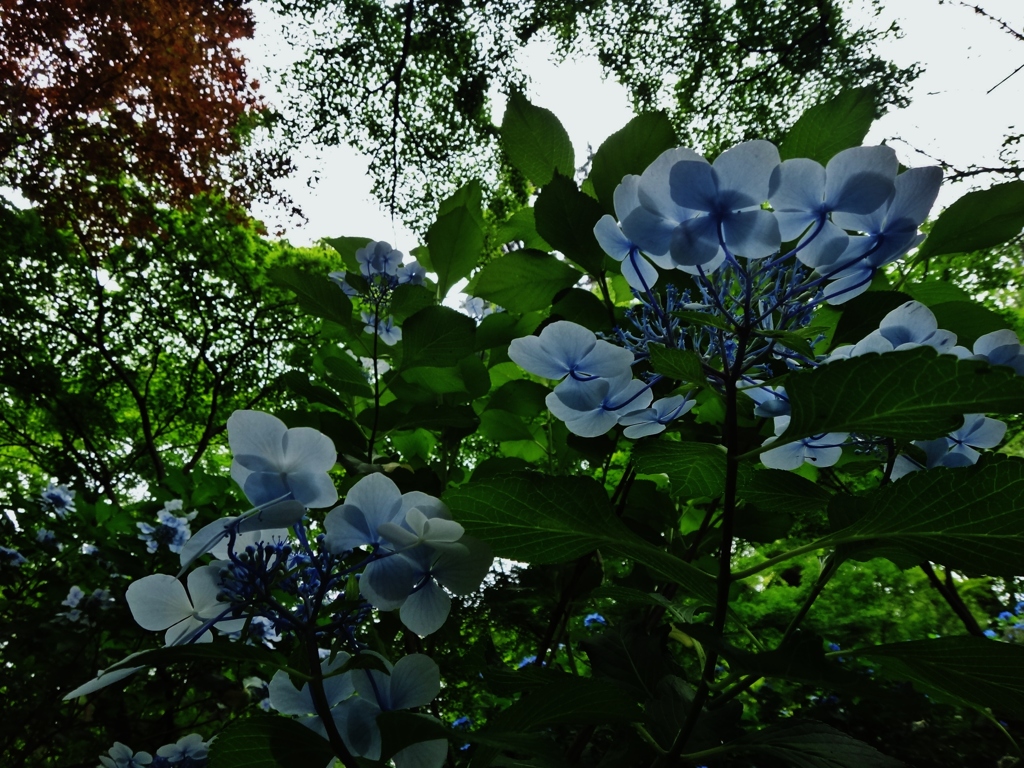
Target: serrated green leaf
<point x="681" y="364"/>
<point x="299" y="383"/>
<point x="316" y="294"/>
<point x="409" y="299"/>
<point x="969" y="671"/>
<point x="583" y="308"/>
<point x="535" y="141"/>
<point x="523" y="281"/>
<point x="837" y="124"/>
<point x="269" y="742"/>
<point x="935" y="292"/>
<point x="810" y="745"/>
<point x="969" y="518"/>
<point x="437" y="337"/>
<point x="455" y="241"/>
<point x="437" y="381"/>
<point x="978" y="220"/>
<point x="501" y="426"/>
<point x="522" y="227"/>
<point x="693" y="469"/>
<point x="629" y="151"/>
<point x="522" y="397"/>
<point x="916" y="394"/>
<point x="967" y="319"/>
<point x="776" y="489"/>
<point x="540" y="519"/>
<point x="566" y="218"/>
<point x="347" y="373"/>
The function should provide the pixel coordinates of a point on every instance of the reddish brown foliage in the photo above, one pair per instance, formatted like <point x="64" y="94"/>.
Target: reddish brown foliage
<point x="100" y="96"/>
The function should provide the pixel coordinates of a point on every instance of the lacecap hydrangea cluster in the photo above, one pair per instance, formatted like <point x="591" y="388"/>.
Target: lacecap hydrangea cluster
<point x="381" y="271"/>
<point x="765" y="242"/>
<point x="403" y="551"/>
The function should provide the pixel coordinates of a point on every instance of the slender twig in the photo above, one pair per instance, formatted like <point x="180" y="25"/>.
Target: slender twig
<point x="952" y="597"/>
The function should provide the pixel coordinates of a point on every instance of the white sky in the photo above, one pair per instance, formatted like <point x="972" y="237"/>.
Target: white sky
<point x="951" y="117"/>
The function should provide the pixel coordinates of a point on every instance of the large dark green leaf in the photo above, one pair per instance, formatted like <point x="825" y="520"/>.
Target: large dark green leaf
<point x="540" y="519"/>
<point x="455" y="241"/>
<point x="970" y="518"/>
<point x="316" y="294"/>
<point x="523" y="281"/>
<point x="269" y="742"/>
<point x="828" y="128"/>
<point x="914" y="394"/>
<point x="437" y="337"/>
<point x="969" y="671"/>
<point x="566" y="218"/>
<point x="775" y="489"/>
<point x="630" y="150"/>
<point x="681" y="364"/>
<point x="977" y="220"/>
<point x="347" y="247"/>
<point x="863" y="314"/>
<point x="694" y="469"/>
<point x="967" y="319"/>
<point x="810" y="745"/>
<point x="535" y="141"/>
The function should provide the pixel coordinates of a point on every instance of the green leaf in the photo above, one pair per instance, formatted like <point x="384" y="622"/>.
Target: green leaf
<point x="916" y="394"/>
<point x="863" y="314"/>
<point x="934" y="292"/>
<point x="316" y="294"/>
<point x="566" y="218"/>
<point x="269" y="742"/>
<point x="523" y="281"/>
<point x="469" y="196"/>
<point x="778" y="490"/>
<point x="347" y="247"/>
<point x="522" y="397"/>
<point x="583" y="308"/>
<point x="347" y="373"/>
<point x="978" y="220"/>
<point x="682" y="364"/>
<point x="438" y="381"/>
<point x="300" y="384"/>
<point x="837" y="124"/>
<point x="455" y="241"/>
<point x="500" y="426"/>
<point x="409" y="299"/>
<point x="629" y="151"/>
<point x="541" y="519"/>
<point x="694" y="469"/>
<point x="521" y="226"/>
<point x="968" y="671"/>
<point x="437" y="337"/>
<point x="969" y="518"/>
<point x="809" y="745"/>
<point x="535" y="141"/>
<point x="967" y="319"/>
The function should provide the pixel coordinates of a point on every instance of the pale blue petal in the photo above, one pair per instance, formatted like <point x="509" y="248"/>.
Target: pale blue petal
<point x="263" y="487"/>
<point x="753" y="234"/>
<point x="695" y="242"/>
<point x="639" y="273"/>
<point x="606" y="360"/>
<point x="356" y="720"/>
<point x="254" y="433"/>
<point x="308" y="450"/>
<point x="825" y="248"/>
<point x="797" y="185"/>
<point x="651" y="232"/>
<point x="611" y="239"/>
<point x="792" y="224"/>
<point x="158" y="601"/>
<point x="980" y="431"/>
<point x="693" y="185"/>
<point x="415" y="682"/>
<point x="745" y="171"/>
<point x="387" y="582"/>
<point x="462" y="572"/>
<point x="425" y="610"/>
<point x="626" y="198"/>
<point x="283" y="514"/>
<point x="860" y="179"/>
<point x="529" y="354"/>
<point x="312" y="489"/>
<point x="286" y="698"/>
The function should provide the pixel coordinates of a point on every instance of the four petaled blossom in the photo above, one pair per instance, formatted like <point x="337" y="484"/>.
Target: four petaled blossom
<point x="651" y="421"/>
<point x="593" y="409"/>
<point x="191" y="747"/>
<point x="957" y="449"/>
<point x="565" y="349"/>
<point x="908" y="326"/>
<point x="1001" y="348"/>
<point x="637" y="270"/>
<point x="385" y="329"/>
<point x="378" y="258"/>
<point x="413" y="682"/>
<point x="289" y="700"/>
<point x="121" y="756"/>
<point x="272" y="462"/>
<point x="159" y="602"/>
<point x="821" y="450"/>
<point x="890" y="231"/>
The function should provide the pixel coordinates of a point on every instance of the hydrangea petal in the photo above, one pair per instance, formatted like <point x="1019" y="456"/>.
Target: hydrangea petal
<point x="415" y="682"/>
<point x="423" y="754"/>
<point x="158" y="601"/>
<point x="426" y="609"/>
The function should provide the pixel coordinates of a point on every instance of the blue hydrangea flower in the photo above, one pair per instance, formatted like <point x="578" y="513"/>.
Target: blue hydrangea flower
<point x="726" y="196"/>
<point x="592" y="619"/>
<point x="564" y="349"/>
<point x="958" y="449"/>
<point x="159" y="602"/>
<point x="890" y="231"/>
<point x="1001" y="348"/>
<point x="378" y="258"/>
<point x="651" y="421"/>
<point x="170" y="529"/>
<point x="591" y="409"/>
<point x="638" y="271"/>
<point x="770" y="401"/>
<point x="412" y="273"/>
<point x="59" y="499"/>
<point x="413" y="682"/>
<point x="273" y="462"/>
<point x="385" y="329"/>
<point x="821" y="450"/>
<point x="46" y="536"/>
<point x="908" y="326"/>
<point x="191" y="747"/>
<point x="75" y="595"/>
<point x="298" y="702"/>
<point x="990" y="633"/>
<point x="803" y="194"/>
<point x="122" y="756"/>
